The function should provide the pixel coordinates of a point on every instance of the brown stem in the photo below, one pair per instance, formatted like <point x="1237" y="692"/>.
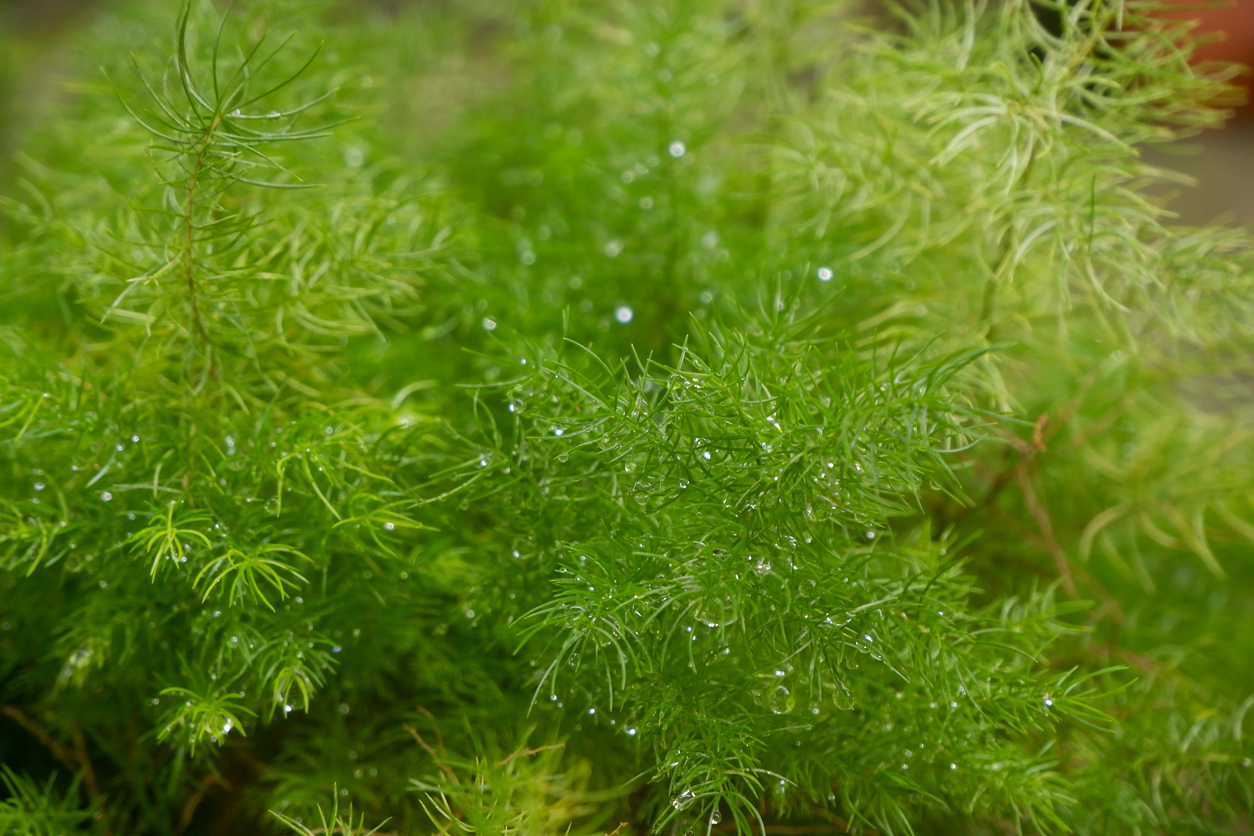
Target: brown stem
<point x="75" y="760"/>
<point x="526" y="753"/>
<point x="835" y="819"/>
<point x="435" y="756"/>
<point x="189" y="809"/>
<point x="60" y="752"/>
<point x="1041" y="514"/>
<point x="80" y="749"/>
<point x="439" y="736"/>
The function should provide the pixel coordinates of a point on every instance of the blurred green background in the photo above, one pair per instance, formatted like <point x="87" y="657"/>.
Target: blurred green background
<point x="34" y="38"/>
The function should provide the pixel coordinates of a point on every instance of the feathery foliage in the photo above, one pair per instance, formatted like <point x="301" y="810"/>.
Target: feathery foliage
<point x="557" y="417"/>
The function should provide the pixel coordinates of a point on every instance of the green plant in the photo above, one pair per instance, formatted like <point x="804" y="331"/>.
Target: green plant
<point x="698" y="416"/>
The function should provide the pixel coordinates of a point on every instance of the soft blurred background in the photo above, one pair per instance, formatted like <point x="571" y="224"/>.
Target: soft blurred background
<point x="1219" y="163"/>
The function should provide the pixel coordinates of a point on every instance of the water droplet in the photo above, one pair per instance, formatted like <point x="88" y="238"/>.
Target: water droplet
<point x="353" y="158"/>
<point x="287" y="709"/>
<point x="677" y="149"/>
<point x="106" y="496"/>
<point x="706" y="455"/>
<point x="134" y="439"/>
<point x="389" y="526"/>
<point x="953" y="766"/>
<point x="558" y="431"/>
<point x="716" y="817"/>
<point x="226" y="727"/>
<point x="1049" y="703"/>
<point x="489" y="324"/>
<point x="825" y="274"/>
<point x="631" y="732"/>
<point x="682" y="800"/>
<point x="336" y="649"/>
<point x="230" y="446"/>
<point x="624" y="314"/>
<point x="779" y="700"/>
<point x="344" y="709"/>
<point x="592" y="711"/>
<point x="613" y="248"/>
<point x="470" y="613"/>
<point x="870" y="535"/>
<point x="39" y="486"/>
<point x="760" y="568"/>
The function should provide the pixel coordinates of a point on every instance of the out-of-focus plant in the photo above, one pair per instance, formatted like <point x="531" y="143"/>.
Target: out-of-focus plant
<point x="690" y="417"/>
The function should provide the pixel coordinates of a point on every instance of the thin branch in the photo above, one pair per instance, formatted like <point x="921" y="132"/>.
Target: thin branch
<point x="189" y="809"/>
<point x="80" y="750"/>
<point x="525" y="753"/>
<point x="1041" y="514"/>
<point x="439" y="736"/>
<point x="435" y="756"/>
<point x="60" y="752"/>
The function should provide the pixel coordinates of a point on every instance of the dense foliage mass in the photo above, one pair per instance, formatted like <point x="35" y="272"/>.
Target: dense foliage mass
<point x="707" y="416"/>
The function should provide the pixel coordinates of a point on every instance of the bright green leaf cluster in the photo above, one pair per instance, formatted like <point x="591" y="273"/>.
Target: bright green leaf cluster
<point x="689" y="417"/>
